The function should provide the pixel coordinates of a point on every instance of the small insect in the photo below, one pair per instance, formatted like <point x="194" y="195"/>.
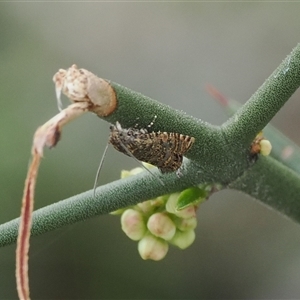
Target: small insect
<point x="164" y="150"/>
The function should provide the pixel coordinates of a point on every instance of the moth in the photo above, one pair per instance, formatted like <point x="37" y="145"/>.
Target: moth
<point x="164" y="150"/>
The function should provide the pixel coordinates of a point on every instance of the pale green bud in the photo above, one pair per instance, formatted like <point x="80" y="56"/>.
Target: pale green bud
<point x="186" y="213"/>
<point x="162" y="226"/>
<point x="183" y="239"/>
<point x="149" y="166"/>
<point x="145" y="207"/>
<point x="133" y="224"/>
<point x="136" y="171"/>
<point x="172" y="203"/>
<point x="159" y="201"/>
<point x="118" y="212"/>
<point x="125" y="173"/>
<point x="151" y="247"/>
<point x="186" y="224"/>
<point x="265" y="147"/>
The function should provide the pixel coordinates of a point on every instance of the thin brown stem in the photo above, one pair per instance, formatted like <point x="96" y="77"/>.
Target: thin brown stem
<point x="24" y="229"/>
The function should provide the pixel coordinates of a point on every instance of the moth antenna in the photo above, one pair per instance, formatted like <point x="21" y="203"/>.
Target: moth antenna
<point x="131" y="155"/>
<point x="99" y="169"/>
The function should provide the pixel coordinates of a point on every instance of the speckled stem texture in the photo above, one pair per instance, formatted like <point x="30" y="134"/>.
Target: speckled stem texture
<point x="219" y="155"/>
<point x="109" y="197"/>
<point x="274" y="185"/>
<point x="283" y="149"/>
<point x="256" y="113"/>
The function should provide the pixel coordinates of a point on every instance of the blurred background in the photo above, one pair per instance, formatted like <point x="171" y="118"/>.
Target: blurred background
<point x="167" y="51"/>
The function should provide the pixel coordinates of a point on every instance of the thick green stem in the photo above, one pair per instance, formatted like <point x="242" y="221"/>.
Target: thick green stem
<point x="110" y="197"/>
<point x="274" y="185"/>
<point x="258" y="111"/>
<point x="283" y="149"/>
<point x="135" y="108"/>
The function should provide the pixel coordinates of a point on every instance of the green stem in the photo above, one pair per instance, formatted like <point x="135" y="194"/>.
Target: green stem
<point x="254" y="115"/>
<point x="274" y="185"/>
<point x="135" y="108"/>
<point x="283" y="149"/>
<point x="108" y="198"/>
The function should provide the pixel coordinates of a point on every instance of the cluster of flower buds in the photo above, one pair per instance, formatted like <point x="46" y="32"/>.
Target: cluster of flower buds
<point x="169" y="219"/>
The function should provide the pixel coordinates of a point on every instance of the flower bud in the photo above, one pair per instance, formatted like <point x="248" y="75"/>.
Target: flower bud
<point x="172" y="203"/>
<point x="125" y="173"/>
<point x="183" y="239"/>
<point x="118" y="211"/>
<point x="186" y="213"/>
<point x="265" y="147"/>
<point x="162" y="226"/>
<point x="145" y="207"/>
<point x="147" y="165"/>
<point x="186" y="224"/>
<point x="149" y="206"/>
<point x="151" y="247"/>
<point x="133" y="224"/>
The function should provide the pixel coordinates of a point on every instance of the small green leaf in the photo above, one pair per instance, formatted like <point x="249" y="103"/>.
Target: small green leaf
<point x="191" y="196"/>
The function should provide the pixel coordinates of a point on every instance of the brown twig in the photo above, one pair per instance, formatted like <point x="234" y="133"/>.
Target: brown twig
<point x="24" y="229"/>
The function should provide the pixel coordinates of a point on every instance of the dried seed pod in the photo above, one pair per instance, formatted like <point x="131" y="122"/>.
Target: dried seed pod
<point x="164" y="150"/>
<point x="81" y="85"/>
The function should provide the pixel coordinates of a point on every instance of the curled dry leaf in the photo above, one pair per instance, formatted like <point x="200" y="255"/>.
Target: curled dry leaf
<point x="88" y="93"/>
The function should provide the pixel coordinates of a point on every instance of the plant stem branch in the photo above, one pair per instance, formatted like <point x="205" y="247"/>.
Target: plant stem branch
<point x="258" y="111"/>
<point x="274" y="185"/>
<point x="108" y="198"/>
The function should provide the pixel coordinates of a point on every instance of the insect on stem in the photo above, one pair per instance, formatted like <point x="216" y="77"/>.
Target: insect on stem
<point x="129" y="154"/>
<point x="164" y="150"/>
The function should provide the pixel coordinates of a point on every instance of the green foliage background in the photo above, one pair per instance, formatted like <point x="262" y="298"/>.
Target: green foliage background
<point x="167" y="51"/>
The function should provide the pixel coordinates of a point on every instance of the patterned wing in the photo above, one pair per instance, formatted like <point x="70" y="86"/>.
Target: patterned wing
<point x="161" y="149"/>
